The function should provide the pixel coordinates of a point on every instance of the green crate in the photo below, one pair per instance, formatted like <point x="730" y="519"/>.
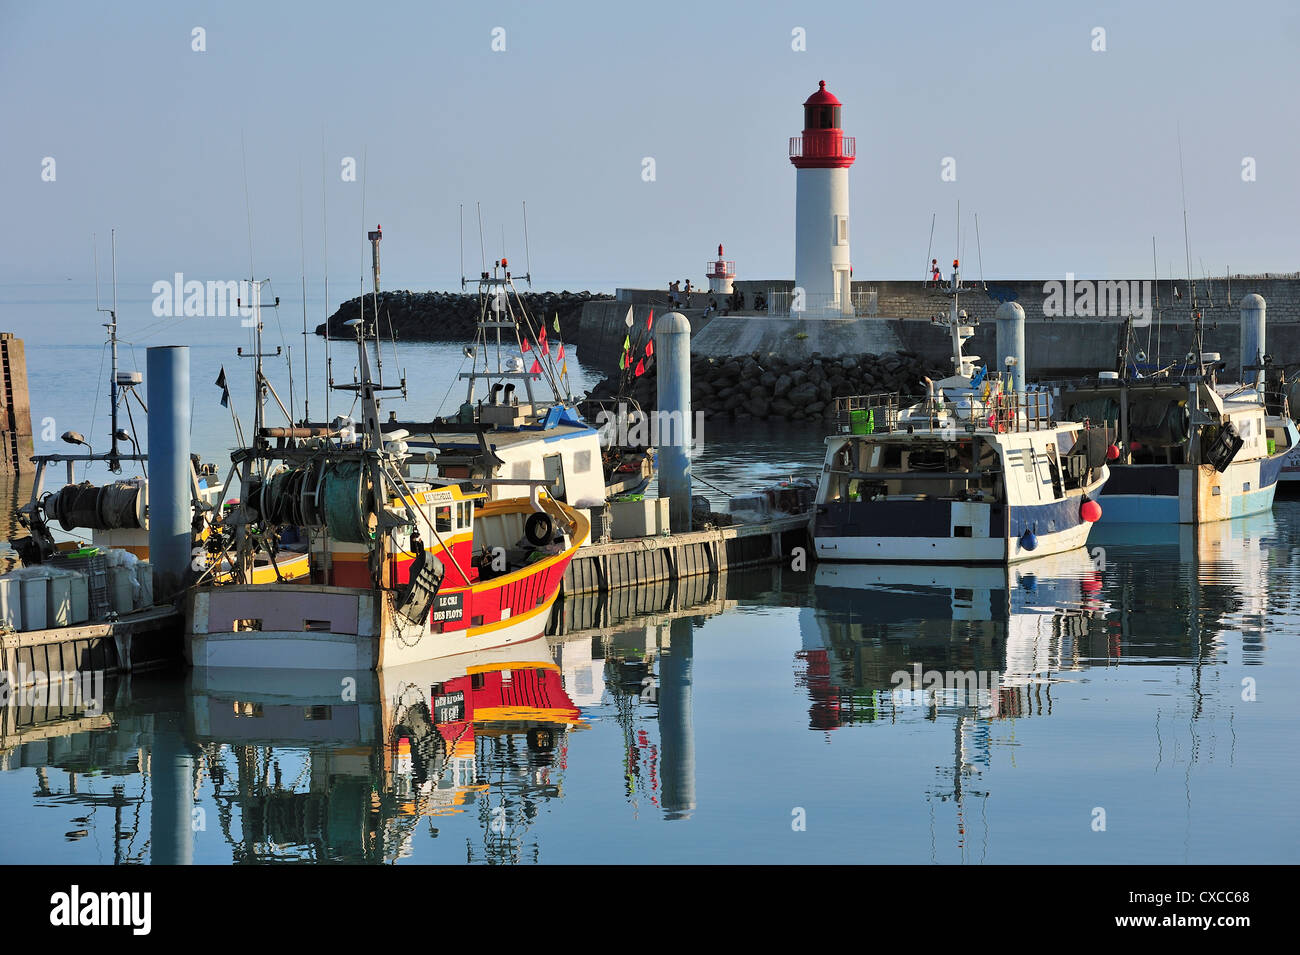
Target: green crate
<point x="862" y="421"/>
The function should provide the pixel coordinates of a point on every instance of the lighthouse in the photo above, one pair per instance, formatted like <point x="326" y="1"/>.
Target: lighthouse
<point x="721" y="274"/>
<point x="822" y="156"/>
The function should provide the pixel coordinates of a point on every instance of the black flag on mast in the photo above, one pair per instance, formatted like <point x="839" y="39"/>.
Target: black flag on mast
<point x="225" y="390"/>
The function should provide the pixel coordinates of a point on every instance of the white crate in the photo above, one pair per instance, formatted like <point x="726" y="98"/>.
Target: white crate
<point x="661" y="515"/>
<point x="120" y="580"/>
<point x="80" y="607"/>
<point x="633" y="519"/>
<point x="11" y="603"/>
<point x="35" y="596"/>
<point x="59" y="601"/>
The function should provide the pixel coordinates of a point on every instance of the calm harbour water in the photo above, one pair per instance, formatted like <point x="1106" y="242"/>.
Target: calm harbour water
<point x="1132" y="704"/>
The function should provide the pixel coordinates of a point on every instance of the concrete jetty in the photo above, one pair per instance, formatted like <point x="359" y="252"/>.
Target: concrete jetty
<point x="894" y="315"/>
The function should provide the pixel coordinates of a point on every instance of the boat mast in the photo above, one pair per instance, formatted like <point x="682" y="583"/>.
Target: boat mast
<point x="306" y="366"/>
<point x="955" y="317"/>
<point x="325" y="239"/>
<point x="114" y="455"/>
<point x="1198" y="335"/>
<point x="374" y="238"/>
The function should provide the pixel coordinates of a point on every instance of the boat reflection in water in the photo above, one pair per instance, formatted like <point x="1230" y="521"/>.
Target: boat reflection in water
<point x="972" y="646"/>
<point x="468" y="758"/>
<point x="888" y="638"/>
<point x="324" y="769"/>
<point x="983" y="648"/>
<point x="327" y="767"/>
<point x="1040" y="623"/>
<point x="1223" y="585"/>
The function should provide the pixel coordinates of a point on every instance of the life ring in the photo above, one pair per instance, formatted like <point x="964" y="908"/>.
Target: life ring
<point x="538" y="528"/>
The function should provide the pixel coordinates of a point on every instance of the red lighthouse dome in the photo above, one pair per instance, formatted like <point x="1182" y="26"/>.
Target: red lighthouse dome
<point x="823" y="144"/>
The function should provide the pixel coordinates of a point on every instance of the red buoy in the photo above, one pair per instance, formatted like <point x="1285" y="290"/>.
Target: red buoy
<point x="1112" y="453"/>
<point x="1090" y="512"/>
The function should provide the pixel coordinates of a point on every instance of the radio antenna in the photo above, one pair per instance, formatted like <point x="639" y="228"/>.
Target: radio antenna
<point x="482" y="251"/>
<point x="325" y="238"/>
<point x="306" y="367"/>
<point x="528" y="261"/>
<point x="930" y="248"/>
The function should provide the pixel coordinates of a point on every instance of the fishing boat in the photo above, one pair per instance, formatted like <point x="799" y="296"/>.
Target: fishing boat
<point x="114" y="517"/>
<point x="525" y="422"/>
<point x="973" y="473"/>
<point x="376" y="593"/>
<point x="1189" y="448"/>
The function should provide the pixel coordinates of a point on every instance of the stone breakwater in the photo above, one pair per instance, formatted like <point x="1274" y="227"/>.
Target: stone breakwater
<point x="452" y="316"/>
<point x="770" y="387"/>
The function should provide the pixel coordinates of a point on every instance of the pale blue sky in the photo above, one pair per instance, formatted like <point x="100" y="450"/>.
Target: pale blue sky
<point x="1068" y="155"/>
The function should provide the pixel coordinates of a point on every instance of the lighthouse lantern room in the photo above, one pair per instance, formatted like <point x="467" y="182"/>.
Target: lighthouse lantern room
<point x="822" y="157"/>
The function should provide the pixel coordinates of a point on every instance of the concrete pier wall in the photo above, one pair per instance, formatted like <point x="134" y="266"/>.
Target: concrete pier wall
<point x="897" y="317"/>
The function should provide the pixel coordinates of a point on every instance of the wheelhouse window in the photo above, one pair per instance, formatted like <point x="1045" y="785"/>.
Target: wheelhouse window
<point x="442" y="519"/>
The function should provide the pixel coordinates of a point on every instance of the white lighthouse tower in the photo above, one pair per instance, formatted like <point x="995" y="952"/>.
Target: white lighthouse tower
<point x="721" y="274"/>
<point x="822" y="156"/>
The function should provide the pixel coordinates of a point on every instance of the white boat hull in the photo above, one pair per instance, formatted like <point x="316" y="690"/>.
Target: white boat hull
<point x="951" y="550"/>
<point x="346" y="632"/>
